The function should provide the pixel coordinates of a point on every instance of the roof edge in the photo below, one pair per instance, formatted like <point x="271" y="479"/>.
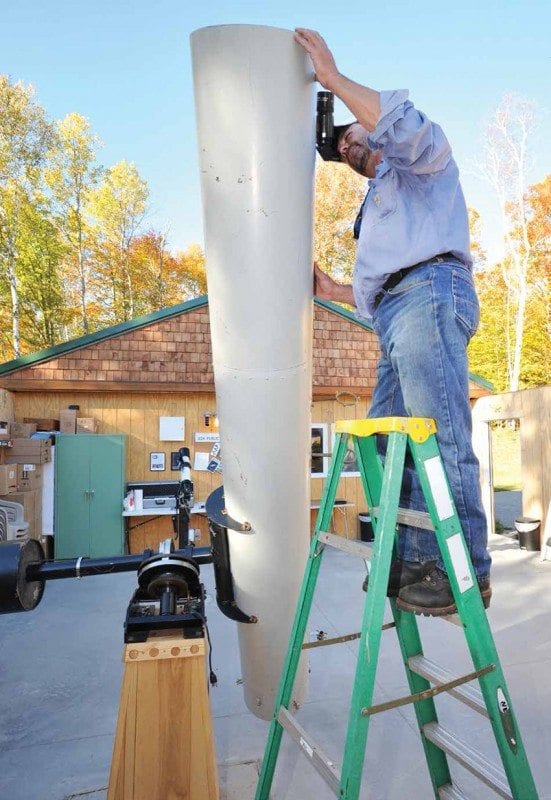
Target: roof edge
<point x="99" y="336"/>
<point x="343" y="312"/>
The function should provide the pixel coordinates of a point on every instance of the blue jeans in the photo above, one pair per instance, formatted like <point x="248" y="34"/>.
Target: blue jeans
<point x="424" y="325"/>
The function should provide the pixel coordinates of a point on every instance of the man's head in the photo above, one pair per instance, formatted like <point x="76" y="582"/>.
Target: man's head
<point x="353" y="149"/>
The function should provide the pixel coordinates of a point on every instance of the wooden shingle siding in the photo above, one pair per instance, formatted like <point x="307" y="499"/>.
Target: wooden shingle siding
<point x="175" y="354"/>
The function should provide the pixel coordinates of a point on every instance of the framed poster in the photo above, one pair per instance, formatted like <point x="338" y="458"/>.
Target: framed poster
<point x="319" y="450"/>
<point x="157" y="462"/>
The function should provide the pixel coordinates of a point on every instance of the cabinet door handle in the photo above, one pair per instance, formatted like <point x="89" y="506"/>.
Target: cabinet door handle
<point x="92" y="494"/>
<point x="86" y="495"/>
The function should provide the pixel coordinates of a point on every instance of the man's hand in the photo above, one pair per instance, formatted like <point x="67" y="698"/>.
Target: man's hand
<point x="322" y="58"/>
<point x="364" y="103"/>
<point x="327" y="289"/>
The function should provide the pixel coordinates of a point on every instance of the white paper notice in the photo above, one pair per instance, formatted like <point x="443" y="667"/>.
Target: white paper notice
<point x="172" y="429"/>
<point x="201" y="461"/>
<point x="439" y="487"/>
<point x="207" y="437"/>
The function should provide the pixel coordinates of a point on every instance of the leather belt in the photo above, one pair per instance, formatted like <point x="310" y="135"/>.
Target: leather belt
<point x="396" y="277"/>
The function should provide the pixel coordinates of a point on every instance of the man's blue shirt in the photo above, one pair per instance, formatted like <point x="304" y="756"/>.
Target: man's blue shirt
<point x="415" y="208"/>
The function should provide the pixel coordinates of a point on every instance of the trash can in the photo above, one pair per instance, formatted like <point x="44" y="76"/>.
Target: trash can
<point x="528" y="533"/>
<point x="365" y="528"/>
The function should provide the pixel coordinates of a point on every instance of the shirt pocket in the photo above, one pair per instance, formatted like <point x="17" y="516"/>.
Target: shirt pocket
<point x="381" y="201"/>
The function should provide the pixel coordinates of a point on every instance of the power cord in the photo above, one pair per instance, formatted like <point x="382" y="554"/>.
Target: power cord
<point x="213" y="679"/>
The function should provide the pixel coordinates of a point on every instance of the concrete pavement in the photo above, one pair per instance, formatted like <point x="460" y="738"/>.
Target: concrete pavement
<point x="60" y="668"/>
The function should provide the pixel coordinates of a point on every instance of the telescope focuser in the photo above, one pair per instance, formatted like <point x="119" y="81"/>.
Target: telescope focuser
<point x="327" y="133"/>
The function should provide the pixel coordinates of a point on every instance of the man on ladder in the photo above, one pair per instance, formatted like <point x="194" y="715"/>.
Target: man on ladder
<point x="413" y="281"/>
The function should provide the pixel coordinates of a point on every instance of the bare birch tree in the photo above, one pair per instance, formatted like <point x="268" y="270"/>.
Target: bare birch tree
<point x="505" y="164"/>
<point x="72" y="175"/>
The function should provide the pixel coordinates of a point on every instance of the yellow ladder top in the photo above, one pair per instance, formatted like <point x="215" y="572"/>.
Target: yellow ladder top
<point x="418" y="428"/>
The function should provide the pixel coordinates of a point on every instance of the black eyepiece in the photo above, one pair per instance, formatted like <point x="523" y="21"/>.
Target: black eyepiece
<point x="325" y="127"/>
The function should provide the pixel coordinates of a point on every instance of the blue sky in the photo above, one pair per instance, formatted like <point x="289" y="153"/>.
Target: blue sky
<point x="126" y="66"/>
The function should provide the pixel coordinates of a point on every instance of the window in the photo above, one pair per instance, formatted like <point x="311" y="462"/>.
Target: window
<point x="350" y="465"/>
<point x="319" y="450"/>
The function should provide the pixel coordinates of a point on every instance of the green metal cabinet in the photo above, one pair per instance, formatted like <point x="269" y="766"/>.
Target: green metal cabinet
<point x="89" y="490"/>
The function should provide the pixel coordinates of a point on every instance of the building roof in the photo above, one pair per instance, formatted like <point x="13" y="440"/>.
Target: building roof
<point x="65" y="348"/>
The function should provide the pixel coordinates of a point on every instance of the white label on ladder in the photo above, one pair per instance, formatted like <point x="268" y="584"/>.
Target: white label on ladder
<point x="460" y="562"/>
<point x="439" y="487"/>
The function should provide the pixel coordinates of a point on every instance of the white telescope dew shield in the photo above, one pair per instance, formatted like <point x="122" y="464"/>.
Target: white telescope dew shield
<point x="255" y="101"/>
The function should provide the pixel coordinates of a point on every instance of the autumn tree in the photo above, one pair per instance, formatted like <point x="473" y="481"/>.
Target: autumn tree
<point x="26" y="136"/>
<point x="118" y="206"/>
<point x="40" y="254"/>
<point x="192" y="277"/>
<point x="489" y="349"/>
<point x="165" y="279"/>
<point x="339" y="194"/>
<point x="71" y="175"/>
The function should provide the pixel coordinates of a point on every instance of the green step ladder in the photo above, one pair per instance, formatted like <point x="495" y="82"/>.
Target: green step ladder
<point x="426" y="679"/>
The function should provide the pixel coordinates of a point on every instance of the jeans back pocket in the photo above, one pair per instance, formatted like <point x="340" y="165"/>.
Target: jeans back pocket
<point x="465" y="301"/>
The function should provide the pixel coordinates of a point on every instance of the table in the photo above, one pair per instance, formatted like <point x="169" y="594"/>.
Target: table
<point x="340" y="505"/>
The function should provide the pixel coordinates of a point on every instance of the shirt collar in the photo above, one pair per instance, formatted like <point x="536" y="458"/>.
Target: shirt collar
<point x="381" y="169"/>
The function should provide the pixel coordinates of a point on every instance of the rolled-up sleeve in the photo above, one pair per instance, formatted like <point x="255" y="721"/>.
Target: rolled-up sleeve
<point x="408" y="139"/>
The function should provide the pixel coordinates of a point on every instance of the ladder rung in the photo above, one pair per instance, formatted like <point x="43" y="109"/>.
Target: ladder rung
<point x="321" y="763"/>
<point x="418" y="519"/>
<point x="449" y="792"/>
<point x="488" y="772"/>
<point x="436" y="674"/>
<point x="352" y="546"/>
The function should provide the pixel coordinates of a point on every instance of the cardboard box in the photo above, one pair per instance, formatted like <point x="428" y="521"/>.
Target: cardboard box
<point x="29" y="451"/>
<point x="44" y="424"/>
<point x="22" y="430"/>
<point x="29" y="477"/>
<point x="68" y="420"/>
<point x="86" y="425"/>
<point x="8" y="478"/>
<point x="6" y="405"/>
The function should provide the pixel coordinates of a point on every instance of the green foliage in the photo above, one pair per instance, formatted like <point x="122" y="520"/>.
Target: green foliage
<point x="41" y="251"/>
<point x="73" y="258"/>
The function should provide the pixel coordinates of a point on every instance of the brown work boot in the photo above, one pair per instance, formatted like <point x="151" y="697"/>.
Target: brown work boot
<point x="402" y="573"/>
<point x="433" y="597"/>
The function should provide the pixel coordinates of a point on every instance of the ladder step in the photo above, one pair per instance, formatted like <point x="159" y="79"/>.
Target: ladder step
<point x="417" y="519"/>
<point x="436" y="674"/>
<point x="449" y="792"/>
<point x="321" y="763"/>
<point x="488" y="772"/>
<point x="352" y="546"/>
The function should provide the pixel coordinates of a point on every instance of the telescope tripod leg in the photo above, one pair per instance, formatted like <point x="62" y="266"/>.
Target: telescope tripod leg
<point x="164" y="740"/>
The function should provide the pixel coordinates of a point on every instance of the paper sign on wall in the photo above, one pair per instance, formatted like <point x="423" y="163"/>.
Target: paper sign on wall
<point x="172" y="429"/>
<point x="207" y="437"/>
<point x="201" y="461"/>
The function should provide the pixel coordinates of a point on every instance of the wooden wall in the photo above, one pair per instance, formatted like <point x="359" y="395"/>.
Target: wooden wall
<point x="533" y="408"/>
<point x="137" y="416"/>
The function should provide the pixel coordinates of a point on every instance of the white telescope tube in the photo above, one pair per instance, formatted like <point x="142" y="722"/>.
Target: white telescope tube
<point x="255" y="105"/>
